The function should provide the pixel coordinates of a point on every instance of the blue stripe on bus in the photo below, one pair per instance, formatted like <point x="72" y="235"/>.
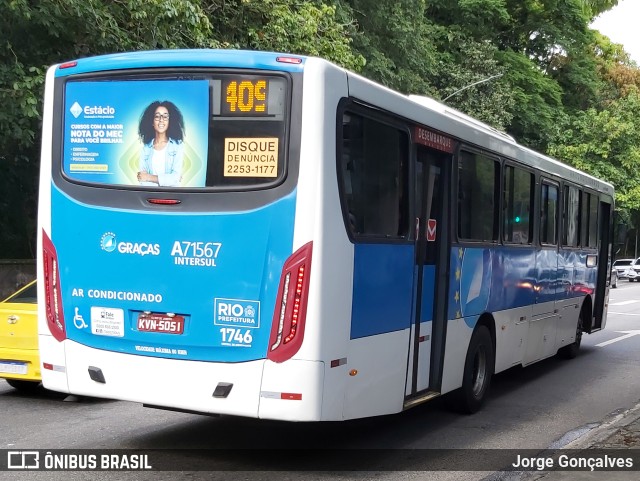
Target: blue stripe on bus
<point x="183" y="58"/>
<point x="496" y="279"/>
<point x="382" y="288"/>
<point x="481" y="280"/>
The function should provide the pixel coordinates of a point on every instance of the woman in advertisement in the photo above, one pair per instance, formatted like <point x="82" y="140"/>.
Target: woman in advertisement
<point x="161" y="131"/>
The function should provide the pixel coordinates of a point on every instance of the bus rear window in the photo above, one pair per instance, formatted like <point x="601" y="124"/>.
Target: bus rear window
<point x="180" y="131"/>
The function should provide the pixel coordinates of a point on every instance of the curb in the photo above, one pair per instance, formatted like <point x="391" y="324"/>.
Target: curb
<point x="605" y="436"/>
<point x="609" y="427"/>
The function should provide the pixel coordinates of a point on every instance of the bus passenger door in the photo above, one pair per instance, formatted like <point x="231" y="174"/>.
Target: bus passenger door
<point x="427" y="335"/>
<point x="603" y="262"/>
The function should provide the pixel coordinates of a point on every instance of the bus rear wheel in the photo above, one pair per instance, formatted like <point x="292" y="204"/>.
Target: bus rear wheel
<point x="478" y="370"/>
<point x="571" y="351"/>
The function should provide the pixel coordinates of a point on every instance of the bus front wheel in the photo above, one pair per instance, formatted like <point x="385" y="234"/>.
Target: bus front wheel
<point x="478" y="370"/>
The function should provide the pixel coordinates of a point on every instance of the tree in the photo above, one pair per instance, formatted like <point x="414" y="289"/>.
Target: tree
<point x="592" y="8"/>
<point x="310" y="28"/>
<point x="605" y="144"/>
<point x="397" y="44"/>
<point x="464" y="62"/>
<point x="37" y="33"/>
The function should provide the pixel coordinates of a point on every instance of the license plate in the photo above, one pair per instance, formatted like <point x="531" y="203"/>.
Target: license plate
<point x="160" y="323"/>
<point x="13" y="367"/>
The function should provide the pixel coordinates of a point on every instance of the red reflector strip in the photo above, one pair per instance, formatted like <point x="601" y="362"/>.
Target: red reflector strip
<point x="339" y="362"/>
<point x="68" y="64"/>
<point x="291" y="395"/>
<point x="422" y="339"/>
<point x="289" y="60"/>
<point x="164" y="201"/>
<point x="53" y="367"/>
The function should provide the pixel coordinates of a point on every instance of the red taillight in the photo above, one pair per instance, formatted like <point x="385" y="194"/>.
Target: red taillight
<point x="68" y="64"/>
<point x="293" y="60"/>
<point x="287" y="330"/>
<point x="164" y="201"/>
<point x="52" y="293"/>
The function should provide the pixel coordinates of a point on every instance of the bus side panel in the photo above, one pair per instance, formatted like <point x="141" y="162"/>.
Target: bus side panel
<point x="469" y="295"/>
<point x="292" y="391"/>
<point x="383" y="305"/>
<point x="377" y="384"/>
<point x="319" y="217"/>
<point x="578" y="282"/>
<point x="380" y="328"/>
<point x="511" y="335"/>
<point x="455" y="352"/>
<point x="52" y="352"/>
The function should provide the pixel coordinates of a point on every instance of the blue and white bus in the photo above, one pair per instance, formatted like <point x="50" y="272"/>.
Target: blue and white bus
<point x="272" y="236"/>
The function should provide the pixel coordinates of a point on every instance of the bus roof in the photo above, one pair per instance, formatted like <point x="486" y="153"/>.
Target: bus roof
<point x="449" y="121"/>
<point x="183" y="58"/>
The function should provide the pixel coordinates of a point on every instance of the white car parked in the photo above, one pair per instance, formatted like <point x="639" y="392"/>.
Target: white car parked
<point x="622" y="267"/>
<point x="633" y="272"/>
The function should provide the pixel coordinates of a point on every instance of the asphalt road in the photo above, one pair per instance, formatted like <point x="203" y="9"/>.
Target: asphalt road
<point x="541" y="406"/>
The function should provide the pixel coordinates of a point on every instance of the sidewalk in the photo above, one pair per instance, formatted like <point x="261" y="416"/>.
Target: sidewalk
<point x="619" y="431"/>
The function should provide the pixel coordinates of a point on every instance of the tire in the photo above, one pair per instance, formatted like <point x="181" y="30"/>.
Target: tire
<point x="478" y="370"/>
<point x="571" y="351"/>
<point x="614" y="281"/>
<point x="27" y="387"/>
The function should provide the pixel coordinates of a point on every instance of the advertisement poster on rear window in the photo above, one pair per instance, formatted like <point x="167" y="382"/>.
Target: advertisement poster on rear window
<point x="139" y="133"/>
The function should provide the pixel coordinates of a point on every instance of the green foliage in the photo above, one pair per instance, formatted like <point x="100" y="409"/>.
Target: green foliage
<point x="37" y="33"/>
<point x="301" y="27"/>
<point x="465" y="62"/>
<point x="592" y="8"/>
<point x="554" y="83"/>
<point x="538" y="100"/>
<point x="307" y="28"/>
<point x="605" y="144"/>
<point x="479" y="19"/>
<point x="396" y="41"/>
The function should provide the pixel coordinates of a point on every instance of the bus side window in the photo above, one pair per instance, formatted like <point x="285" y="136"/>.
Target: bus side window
<point x="517" y="202"/>
<point x="571" y="216"/>
<point x="549" y="214"/>
<point x="478" y="197"/>
<point x="374" y="174"/>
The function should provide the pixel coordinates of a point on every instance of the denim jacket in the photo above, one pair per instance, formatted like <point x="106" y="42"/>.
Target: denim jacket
<point x="172" y="166"/>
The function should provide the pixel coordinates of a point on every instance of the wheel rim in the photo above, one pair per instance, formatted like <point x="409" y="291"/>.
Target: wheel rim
<point x="479" y="372"/>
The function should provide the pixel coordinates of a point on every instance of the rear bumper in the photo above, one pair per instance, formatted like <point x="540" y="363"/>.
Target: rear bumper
<point x="28" y="356"/>
<point x="630" y="274"/>
<point x="261" y="389"/>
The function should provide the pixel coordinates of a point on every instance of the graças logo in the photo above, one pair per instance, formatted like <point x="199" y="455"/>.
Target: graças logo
<point x="108" y="242"/>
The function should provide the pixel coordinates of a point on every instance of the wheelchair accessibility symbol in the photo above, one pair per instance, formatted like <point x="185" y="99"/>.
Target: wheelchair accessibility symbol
<point x="78" y="321"/>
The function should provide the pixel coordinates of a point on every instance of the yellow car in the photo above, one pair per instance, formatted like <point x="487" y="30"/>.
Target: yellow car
<point x="19" y="358"/>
